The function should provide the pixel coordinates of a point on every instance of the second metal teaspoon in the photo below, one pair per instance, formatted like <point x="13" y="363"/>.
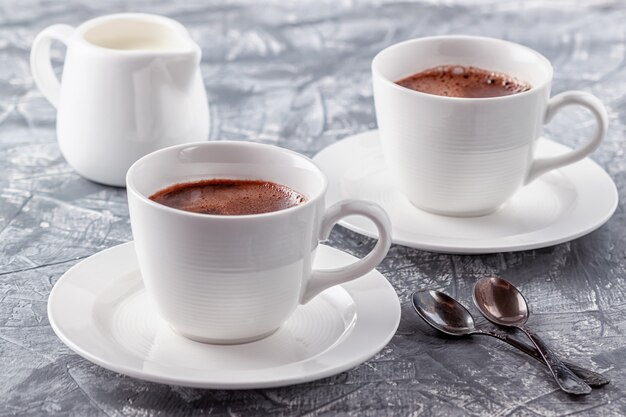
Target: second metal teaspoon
<point x="501" y="303"/>
<point x="447" y="315"/>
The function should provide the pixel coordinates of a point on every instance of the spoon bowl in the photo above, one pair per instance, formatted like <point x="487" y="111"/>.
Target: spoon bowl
<point x="500" y="302"/>
<point x="443" y="313"/>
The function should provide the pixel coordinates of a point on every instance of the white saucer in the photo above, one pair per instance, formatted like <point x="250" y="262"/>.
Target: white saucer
<point x="560" y="206"/>
<point x="100" y="310"/>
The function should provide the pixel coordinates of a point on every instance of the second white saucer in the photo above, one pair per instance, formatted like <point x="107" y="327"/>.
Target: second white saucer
<point x="559" y="206"/>
<point x="100" y="309"/>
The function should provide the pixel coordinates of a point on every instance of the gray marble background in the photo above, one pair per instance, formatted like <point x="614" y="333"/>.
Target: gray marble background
<point x="297" y="74"/>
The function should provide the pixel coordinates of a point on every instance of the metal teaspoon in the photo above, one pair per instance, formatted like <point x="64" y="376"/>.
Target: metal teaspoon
<point x="447" y="315"/>
<point x="501" y="303"/>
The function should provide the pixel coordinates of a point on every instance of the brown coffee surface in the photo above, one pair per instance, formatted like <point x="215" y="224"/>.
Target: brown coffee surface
<point x="229" y="197"/>
<point x="460" y="81"/>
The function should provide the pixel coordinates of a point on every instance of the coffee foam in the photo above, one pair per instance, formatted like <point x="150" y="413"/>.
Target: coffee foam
<point x="461" y="81"/>
<point x="229" y="197"/>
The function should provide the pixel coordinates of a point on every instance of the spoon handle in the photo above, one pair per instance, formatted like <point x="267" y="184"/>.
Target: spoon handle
<point x="566" y="379"/>
<point x="591" y="378"/>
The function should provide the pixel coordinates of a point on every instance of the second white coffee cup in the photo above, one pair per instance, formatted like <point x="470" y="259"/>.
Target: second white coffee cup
<point x="468" y="156"/>
<point x="234" y="279"/>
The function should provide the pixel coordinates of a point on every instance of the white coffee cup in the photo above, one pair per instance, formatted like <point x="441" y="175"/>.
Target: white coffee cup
<point x="468" y="156"/>
<point x="234" y="279"/>
<point x="131" y="84"/>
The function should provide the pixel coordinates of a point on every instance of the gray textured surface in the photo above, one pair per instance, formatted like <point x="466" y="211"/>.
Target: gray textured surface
<point x="297" y="74"/>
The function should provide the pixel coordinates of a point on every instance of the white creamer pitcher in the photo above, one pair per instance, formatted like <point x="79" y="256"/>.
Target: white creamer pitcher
<point x="131" y="84"/>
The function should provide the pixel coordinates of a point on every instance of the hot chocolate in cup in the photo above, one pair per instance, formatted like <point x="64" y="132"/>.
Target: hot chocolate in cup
<point x="466" y="155"/>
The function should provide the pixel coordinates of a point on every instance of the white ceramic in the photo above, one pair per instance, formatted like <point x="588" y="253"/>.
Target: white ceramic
<point x="232" y="279"/>
<point x="100" y="309"/>
<point x="131" y="84"/>
<point x="560" y="206"/>
<point x="468" y="156"/>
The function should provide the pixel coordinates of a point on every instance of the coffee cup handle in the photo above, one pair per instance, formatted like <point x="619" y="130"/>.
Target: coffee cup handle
<point x="40" y="64"/>
<point x="326" y="278"/>
<point x="542" y="165"/>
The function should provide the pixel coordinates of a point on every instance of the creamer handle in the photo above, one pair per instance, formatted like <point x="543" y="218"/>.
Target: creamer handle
<point x="40" y="64"/>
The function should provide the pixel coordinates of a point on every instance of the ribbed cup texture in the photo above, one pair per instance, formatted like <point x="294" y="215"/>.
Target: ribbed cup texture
<point x="459" y="157"/>
<point x="223" y="279"/>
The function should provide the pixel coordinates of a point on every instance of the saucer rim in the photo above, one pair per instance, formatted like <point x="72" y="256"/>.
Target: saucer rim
<point x="482" y="246"/>
<point x="373" y="277"/>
